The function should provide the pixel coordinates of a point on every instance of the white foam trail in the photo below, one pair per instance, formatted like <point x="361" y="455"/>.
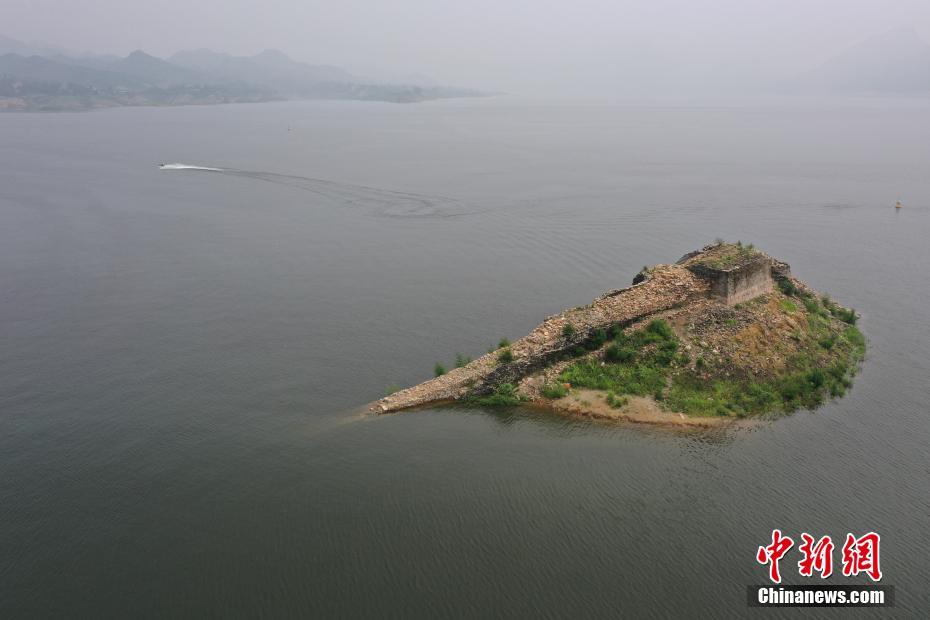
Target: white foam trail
<point x="187" y="167"/>
<point x="378" y="201"/>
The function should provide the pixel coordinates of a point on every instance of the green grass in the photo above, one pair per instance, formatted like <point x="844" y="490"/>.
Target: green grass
<point x="597" y="340"/>
<point x="847" y="315"/>
<point x="856" y="341"/>
<point x="439" y="370"/>
<point x="633" y="378"/>
<point x="646" y="362"/>
<point x="503" y="342"/>
<point x="504" y="396"/>
<point x="461" y="360"/>
<point x="505" y="356"/>
<point x="554" y="391"/>
<point x="615" y="352"/>
<point x="788" y="288"/>
<point x="637" y="362"/>
<point x="731" y="256"/>
<point x="692" y="395"/>
<point x="617" y="402"/>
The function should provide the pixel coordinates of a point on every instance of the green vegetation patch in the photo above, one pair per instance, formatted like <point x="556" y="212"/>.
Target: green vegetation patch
<point x="729" y="255"/>
<point x="648" y="362"/>
<point x="505" y="395"/>
<point x="634" y="364"/>
<point x="824" y="354"/>
<point x="554" y="391"/>
<point x="505" y="356"/>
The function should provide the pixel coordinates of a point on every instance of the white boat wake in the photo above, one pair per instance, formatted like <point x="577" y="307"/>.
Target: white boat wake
<point x="375" y="200"/>
<point x="188" y="167"/>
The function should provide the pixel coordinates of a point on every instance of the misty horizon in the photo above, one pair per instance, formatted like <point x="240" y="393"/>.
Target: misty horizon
<point x="600" y="49"/>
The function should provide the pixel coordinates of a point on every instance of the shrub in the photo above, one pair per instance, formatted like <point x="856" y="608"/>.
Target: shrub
<point x="505" y="356"/>
<point x="660" y="328"/>
<point x="439" y="369"/>
<point x="461" y="360"/>
<point x="619" y="354"/>
<point x="847" y="315"/>
<point x="568" y="330"/>
<point x="615" y="401"/>
<point x="504" y="396"/>
<point x="638" y="379"/>
<point x="503" y="343"/>
<point x="554" y="390"/>
<point x="816" y="378"/>
<point x="597" y="339"/>
<point x="665" y="353"/>
<point x="855" y="338"/>
<point x="787" y="287"/>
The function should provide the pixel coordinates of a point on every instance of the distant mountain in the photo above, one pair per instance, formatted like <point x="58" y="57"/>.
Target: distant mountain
<point x="897" y="61"/>
<point x="9" y="45"/>
<point x="44" y="84"/>
<point x="156" y="71"/>
<point x="270" y="68"/>
<point x="39" y="69"/>
<point x="68" y="81"/>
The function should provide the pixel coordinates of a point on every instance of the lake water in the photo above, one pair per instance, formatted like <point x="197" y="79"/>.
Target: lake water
<point x="184" y="356"/>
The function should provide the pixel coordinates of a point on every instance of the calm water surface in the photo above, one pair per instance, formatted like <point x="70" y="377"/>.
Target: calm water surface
<point x="183" y="355"/>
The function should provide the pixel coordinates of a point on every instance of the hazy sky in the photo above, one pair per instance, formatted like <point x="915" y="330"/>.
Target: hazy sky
<point x="521" y="46"/>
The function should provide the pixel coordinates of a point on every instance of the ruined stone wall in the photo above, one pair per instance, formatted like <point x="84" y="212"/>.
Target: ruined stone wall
<point x="747" y="282"/>
<point x="661" y="290"/>
<point x="738" y="284"/>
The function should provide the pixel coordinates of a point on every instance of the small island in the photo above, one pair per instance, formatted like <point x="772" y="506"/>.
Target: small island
<point x="724" y="333"/>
